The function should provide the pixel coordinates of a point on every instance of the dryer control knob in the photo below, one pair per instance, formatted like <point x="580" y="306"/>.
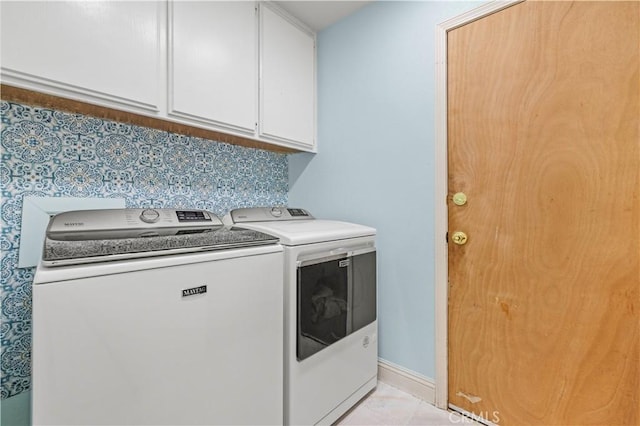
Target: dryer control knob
<point x="149" y="216"/>
<point x="276" y="211"/>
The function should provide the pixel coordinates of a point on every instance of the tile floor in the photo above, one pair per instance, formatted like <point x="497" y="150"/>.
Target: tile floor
<point x="390" y="406"/>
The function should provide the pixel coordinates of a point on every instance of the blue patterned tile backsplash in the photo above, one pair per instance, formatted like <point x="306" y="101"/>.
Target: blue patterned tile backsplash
<point x="57" y="154"/>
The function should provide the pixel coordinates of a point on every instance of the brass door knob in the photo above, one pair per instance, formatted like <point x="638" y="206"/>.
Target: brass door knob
<point x="459" y="199"/>
<point x="459" y="238"/>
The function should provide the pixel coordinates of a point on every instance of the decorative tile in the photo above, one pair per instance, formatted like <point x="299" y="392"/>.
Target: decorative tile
<point x="117" y="151"/>
<point x="53" y="153"/>
<point x="76" y="124"/>
<point x="16" y="358"/>
<point x="11" y="330"/>
<point x="78" y="179"/>
<point x="16" y="303"/>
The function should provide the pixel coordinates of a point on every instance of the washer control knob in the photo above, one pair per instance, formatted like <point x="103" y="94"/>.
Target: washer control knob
<point x="276" y="212"/>
<point x="149" y="216"/>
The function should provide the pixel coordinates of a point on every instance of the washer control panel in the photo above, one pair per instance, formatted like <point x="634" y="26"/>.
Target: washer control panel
<point x="77" y="223"/>
<point x="267" y="214"/>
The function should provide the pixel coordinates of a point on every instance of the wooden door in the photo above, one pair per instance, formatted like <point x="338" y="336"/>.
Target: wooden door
<point x="543" y="128"/>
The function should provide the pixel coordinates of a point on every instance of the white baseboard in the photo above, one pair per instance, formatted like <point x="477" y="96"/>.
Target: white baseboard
<point x="407" y="381"/>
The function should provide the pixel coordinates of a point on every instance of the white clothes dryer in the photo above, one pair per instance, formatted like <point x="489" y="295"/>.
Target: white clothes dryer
<point x="156" y="317"/>
<point x="330" y="310"/>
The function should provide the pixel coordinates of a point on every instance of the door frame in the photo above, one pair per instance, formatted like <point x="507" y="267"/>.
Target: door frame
<point x="441" y="191"/>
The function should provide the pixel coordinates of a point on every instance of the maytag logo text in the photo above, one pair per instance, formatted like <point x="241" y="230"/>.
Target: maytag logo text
<point x="193" y="291"/>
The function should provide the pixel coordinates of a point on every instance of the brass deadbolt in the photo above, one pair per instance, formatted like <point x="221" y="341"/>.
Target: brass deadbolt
<point x="459" y="238"/>
<point x="459" y="199"/>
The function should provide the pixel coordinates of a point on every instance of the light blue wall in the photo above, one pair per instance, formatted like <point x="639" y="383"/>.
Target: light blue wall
<point x="16" y="411"/>
<point x="376" y="96"/>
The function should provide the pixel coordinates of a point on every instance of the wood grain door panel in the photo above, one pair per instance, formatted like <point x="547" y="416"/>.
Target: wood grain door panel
<point x="543" y="137"/>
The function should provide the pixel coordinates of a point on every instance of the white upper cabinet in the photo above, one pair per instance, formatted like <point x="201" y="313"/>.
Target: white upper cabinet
<point x="219" y="65"/>
<point x="287" y="81"/>
<point x="213" y="63"/>
<point x="107" y="52"/>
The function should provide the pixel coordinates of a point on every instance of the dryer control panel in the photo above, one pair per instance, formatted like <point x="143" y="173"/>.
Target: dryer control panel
<point x="267" y="214"/>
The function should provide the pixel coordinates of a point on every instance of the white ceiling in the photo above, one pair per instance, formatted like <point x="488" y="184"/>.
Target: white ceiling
<point x="320" y="14"/>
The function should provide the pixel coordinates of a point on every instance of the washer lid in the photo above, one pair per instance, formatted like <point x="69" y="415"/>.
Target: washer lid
<point x="76" y="252"/>
<point x="297" y="232"/>
<point x="88" y="236"/>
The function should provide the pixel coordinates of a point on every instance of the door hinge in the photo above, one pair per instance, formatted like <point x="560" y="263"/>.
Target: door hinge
<point x="446" y="237"/>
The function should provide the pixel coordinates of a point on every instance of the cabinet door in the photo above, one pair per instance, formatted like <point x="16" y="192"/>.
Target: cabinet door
<point x="105" y="52"/>
<point x="213" y="63"/>
<point x="287" y="84"/>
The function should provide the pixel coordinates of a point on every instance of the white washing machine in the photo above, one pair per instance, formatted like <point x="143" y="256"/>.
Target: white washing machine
<point x="157" y="317"/>
<point x="330" y="334"/>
